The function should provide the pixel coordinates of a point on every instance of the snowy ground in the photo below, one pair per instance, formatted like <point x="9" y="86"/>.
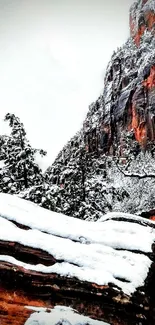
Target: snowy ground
<point x="59" y="315"/>
<point x="93" y="256"/>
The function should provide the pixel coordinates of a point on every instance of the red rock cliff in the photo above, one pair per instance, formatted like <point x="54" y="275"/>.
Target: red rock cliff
<point x="142" y="18"/>
<point x="128" y="100"/>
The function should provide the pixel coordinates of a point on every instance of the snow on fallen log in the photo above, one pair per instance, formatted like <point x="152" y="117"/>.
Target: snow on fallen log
<point x="94" y="267"/>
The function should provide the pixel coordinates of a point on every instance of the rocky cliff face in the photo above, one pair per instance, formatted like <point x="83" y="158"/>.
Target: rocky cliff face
<point x="83" y="181"/>
<point x="142" y="19"/>
<point x="128" y="101"/>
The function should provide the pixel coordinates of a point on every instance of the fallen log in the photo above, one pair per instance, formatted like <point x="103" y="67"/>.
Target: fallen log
<point x="104" y="270"/>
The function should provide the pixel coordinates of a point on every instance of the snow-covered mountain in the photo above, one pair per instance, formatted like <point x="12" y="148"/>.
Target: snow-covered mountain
<point x="54" y="266"/>
<point x="91" y="174"/>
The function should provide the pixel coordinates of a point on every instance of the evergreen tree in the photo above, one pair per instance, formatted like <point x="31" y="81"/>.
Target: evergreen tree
<point x="20" y="170"/>
<point x="46" y="195"/>
<point x="4" y="177"/>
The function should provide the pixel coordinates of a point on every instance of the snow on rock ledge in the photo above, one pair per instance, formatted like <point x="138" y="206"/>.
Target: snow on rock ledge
<point x="93" y="252"/>
<point x="60" y="314"/>
<point x="94" y="267"/>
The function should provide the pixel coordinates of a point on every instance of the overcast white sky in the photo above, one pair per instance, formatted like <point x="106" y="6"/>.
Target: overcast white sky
<point x="53" y="55"/>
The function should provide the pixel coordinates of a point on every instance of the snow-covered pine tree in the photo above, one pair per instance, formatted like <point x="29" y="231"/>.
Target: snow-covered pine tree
<point x="69" y="176"/>
<point x="4" y="178"/>
<point x="20" y="170"/>
<point x="65" y="193"/>
<point x="46" y="195"/>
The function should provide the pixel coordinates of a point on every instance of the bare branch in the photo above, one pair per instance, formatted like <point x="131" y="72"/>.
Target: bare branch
<point x="134" y="175"/>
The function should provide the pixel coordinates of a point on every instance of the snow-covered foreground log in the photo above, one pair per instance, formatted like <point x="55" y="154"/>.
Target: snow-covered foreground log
<point x="102" y="269"/>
